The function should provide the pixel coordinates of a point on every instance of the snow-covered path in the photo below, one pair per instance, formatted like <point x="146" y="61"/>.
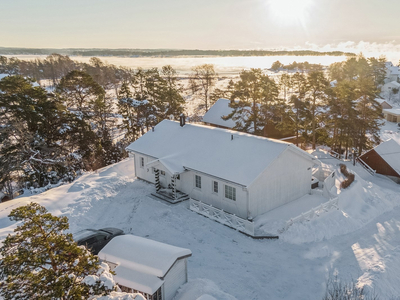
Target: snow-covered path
<point x="241" y="266"/>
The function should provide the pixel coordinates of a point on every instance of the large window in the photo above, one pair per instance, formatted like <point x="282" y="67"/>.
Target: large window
<point x="197" y="181"/>
<point x="230" y="192"/>
<point x="215" y="187"/>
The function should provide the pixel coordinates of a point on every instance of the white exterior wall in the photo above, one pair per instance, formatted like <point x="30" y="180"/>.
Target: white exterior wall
<point x="176" y="276"/>
<point x="286" y="179"/>
<point x="187" y="185"/>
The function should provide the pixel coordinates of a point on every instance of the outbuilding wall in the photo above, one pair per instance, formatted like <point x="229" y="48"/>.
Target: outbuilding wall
<point x="175" y="277"/>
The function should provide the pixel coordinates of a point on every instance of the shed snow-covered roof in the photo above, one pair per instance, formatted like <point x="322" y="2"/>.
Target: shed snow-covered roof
<point x="219" y="109"/>
<point x="142" y="263"/>
<point x="230" y="155"/>
<point x="393" y="111"/>
<point x="390" y="152"/>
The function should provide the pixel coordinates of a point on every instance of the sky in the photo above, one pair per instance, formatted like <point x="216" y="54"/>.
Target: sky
<point x="205" y="24"/>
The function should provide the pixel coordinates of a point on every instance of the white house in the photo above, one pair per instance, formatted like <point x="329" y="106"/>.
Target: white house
<point x="144" y="266"/>
<point x="239" y="173"/>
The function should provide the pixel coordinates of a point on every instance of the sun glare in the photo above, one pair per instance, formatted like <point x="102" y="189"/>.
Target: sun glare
<point x="290" y="11"/>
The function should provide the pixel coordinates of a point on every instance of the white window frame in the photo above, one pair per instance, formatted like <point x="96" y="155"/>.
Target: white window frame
<point x="141" y="163"/>
<point x="197" y="181"/>
<point x="213" y="186"/>
<point x="229" y="192"/>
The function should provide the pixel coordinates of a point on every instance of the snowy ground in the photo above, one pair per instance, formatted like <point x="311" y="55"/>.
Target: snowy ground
<point x="359" y="241"/>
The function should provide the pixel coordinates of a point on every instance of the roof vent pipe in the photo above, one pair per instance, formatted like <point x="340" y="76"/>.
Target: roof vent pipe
<point x="231" y="137"/>
<point x="182" y="120"/>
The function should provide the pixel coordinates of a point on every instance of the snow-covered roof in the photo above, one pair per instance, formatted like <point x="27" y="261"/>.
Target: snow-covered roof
<point x="3" y="75"/>
<point x="393" y="111"/>
<point x="141" y="262"/>
<point x="393" y="84"/>
<point x="390" y="152"/>
<point x="230" y="155"/>
<point x="219" y="109"/>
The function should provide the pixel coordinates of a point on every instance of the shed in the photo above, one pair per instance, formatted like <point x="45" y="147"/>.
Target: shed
<point x="383" y="103"/>
<point x="392" y="115"/>
<point x="144" y="266"/>
<point x="239" y="173"/>
<point x="384" y="159"/>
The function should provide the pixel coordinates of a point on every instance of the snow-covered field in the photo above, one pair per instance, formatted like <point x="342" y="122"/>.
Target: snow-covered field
<point x="359" y="241"/>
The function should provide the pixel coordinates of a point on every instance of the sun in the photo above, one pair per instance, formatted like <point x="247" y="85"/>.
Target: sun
<point x="290" y="11"/>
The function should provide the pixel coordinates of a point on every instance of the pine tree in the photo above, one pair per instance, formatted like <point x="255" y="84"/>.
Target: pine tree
<point x="254" y="101"/>
<point x="40" y="261"/>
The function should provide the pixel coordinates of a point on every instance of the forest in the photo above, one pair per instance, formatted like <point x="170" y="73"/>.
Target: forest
<point x="60" y="117"/>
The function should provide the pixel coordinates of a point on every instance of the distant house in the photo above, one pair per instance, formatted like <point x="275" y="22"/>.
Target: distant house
<point x="383" y="103"/>
<point x="239" y="173"/>
<point x="384" y="159"/>
<point x="392" y="115"/>
<point x="389" y="89"/>
<point x="144" y="266"/>
<point x="392" y="72"/>
<point x="221" y="108"/>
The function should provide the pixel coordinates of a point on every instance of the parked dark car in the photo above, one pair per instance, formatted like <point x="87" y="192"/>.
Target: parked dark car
<point x="96" y="239"/>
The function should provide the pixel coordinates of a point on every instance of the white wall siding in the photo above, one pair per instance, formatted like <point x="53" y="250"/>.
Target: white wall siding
<point x="286" y="179"/>
<point x="218" y="200"/>
<point x="176" y="276"/>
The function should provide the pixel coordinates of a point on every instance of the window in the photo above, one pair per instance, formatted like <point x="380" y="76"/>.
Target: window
<point x="230" y="192"/>
<point x="197" y="180"/>
<point x="162" y="173"/>
<point x="178" y="177"/>
<point x="215" y="187"/>
<point x="142" y="162"/>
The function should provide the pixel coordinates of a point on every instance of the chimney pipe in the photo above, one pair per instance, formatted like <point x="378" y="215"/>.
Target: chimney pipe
<point x="231" y="137"/>
<point x="182" y="120"/>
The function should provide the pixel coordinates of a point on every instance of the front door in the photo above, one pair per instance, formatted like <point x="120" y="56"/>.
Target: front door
<point x="163" y="179"/>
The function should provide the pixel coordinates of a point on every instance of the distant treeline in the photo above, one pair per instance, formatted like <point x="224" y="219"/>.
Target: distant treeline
<point x="167" y="52"/>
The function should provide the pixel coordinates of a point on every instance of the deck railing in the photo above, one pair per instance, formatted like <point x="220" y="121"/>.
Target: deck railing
<point x="223" y="217"/>
<point x="312" y="213"/>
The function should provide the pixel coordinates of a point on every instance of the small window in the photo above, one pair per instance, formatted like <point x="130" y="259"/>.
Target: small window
<point x="142" y="162"/>
<point x="215" y="187"/>
<point x="197" y="179"/>
<point x="178" y="177"/>
<point x="162" y="173"/>
<point x="230" y="192"/>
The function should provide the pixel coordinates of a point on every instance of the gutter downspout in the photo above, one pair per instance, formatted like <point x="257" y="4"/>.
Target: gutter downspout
<point x="249" y="217"/>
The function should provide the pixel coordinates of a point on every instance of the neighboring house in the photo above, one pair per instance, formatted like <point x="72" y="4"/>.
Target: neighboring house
<point x="144" y="266"/>
<point x="384" y="159"/>
<point x="214" y="115"/>
<point x="392" y="115"/>
<point x="221" y="108"/>
<point x="239" y="173"/>
<point x="390" y="89"/>
<point x="383" y="103"/>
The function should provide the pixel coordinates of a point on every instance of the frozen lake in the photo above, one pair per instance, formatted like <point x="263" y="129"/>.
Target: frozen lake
<point x="223" y="65"/>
